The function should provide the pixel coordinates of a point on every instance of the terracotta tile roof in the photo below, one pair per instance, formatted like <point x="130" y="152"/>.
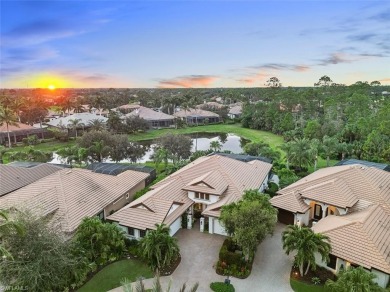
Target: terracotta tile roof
<point x="211" y="182"/>
<point x="18" y="127"/>
<point x="13" y="177"/>
<point x="291" y="201"/>
<point x="195" y="112"/>
<point x="73" y="194"/>
<point x="149" y="114"/>
<point x="147" y="210"/>
<point x="342" y="186"/>
<point x="361" y="238"/>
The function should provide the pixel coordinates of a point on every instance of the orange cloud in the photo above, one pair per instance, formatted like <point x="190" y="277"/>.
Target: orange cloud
<point x="258" y="77"/>
<point x="188" y="81"/>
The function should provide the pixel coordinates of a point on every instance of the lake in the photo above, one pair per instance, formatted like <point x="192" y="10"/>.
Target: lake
<point x="200" y="141"/>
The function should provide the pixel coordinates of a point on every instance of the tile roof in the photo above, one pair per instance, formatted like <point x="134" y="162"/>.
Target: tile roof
<point x="85" y="118"/>
<point x="13" y="177"/>
<point x="236" y="110"/>
<point x="218" y="171"/>
<point x="342" y="186"/>
<point x="18" y="127"/>
<point x="362" y="237"/>
<point x="211" y="182"/>
<point x="72" y="194"/>
<point x="382" y="166"/>
<point x="195" y="113"/>
<point x="149" y="114"/>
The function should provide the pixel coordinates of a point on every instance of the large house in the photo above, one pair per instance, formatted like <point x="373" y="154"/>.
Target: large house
<point x="155" y="119"/>
<point x="18" y="132"/>
<point x="202" y="187"/>
<point x="69" y="195"/>
<point x="197" y="116"/>
<point x="351" y="205"/>
<point x="84" y="118"/>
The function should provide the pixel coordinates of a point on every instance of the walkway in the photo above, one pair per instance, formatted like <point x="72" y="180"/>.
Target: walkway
<point x="199" y="251"/>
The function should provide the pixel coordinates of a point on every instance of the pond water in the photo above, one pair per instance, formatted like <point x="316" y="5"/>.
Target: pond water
<point x="200" y="141"/>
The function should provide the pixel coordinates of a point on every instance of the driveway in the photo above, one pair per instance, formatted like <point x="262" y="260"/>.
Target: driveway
<point x="271" y="267"/>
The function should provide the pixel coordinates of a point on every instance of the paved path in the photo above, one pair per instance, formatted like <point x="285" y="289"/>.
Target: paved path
<point x="199" y="251"/>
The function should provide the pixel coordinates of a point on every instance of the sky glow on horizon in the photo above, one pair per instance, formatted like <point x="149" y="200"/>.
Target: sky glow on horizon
<point x="173" y="44"/>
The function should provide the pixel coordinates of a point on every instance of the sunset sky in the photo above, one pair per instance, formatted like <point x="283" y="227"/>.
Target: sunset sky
<point x="192" y="43"/>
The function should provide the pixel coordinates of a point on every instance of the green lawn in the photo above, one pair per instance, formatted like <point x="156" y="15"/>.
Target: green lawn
<point x="303" y="287"/>
<point x="250" y="134"/>
<point x="111" y="276"/>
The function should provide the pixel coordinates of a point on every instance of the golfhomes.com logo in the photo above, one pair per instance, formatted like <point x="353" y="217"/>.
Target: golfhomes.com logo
<point x="13" y="288"/>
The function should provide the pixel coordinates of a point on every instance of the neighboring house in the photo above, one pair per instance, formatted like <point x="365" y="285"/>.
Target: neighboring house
<point x="14" y="176"/>
<point x="84" y="119"/>
<point x="350" y="204"/>
<point x="155" y="119"/>
<point x="210" y="105"/>
<point x="201" y="187"/>
<point x="126" y="108"/>
<point x="235" y="112"/>
<point x="18" y="132"/>
<point x="197" y="116"/>
<point x="382" y="166"/>
<point x="69" y="195"/>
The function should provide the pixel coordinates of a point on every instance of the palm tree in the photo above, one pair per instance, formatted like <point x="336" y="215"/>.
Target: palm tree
<point x="74" y="124"/>
<point x="315" y="148"/>
<point x="8" y="117"/>
<point x="301" y="154"/>
<point x="215" y="146"/>
<point x="161" y="154"/>
<point x="354" y="280"/>
<point x="306" y="243"/>
<point x="97" y="125"/>
<point x="159" y="248"/>
<point x="69" y="153"/>
<point x="329" y="147"/>
<point x="7" y="225"/>
<point x="288" y="149"/>
<point x="100" y="150"/>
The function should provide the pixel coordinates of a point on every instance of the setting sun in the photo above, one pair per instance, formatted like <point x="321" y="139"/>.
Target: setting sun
<point x="51" y="87"/>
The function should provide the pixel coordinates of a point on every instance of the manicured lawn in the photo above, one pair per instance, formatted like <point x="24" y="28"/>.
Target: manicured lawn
<point x="250" y="134"/>
<point x="111" y="276"/>
<point x="303" y="287"/>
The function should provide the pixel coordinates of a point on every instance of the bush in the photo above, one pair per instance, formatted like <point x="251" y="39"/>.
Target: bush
<point x="221" y="287"/>
<point x="272" y="189"/>
<point x="232" y="263"/>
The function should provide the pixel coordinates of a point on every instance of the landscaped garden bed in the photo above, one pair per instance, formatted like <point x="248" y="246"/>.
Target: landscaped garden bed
<point x="313" y="280"/>
<point x="232" y="261"/>
<point x="222" y="287"/>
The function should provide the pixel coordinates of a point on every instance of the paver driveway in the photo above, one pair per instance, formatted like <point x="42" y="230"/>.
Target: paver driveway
<point x="199" y="251"/>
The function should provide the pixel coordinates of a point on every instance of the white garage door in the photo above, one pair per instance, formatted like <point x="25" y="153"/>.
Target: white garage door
<point x="175" y="226"/>
<point x="218" y="228"/>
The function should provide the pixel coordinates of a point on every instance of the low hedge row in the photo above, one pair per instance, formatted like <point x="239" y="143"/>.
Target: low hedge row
<point x="221" y="287"/>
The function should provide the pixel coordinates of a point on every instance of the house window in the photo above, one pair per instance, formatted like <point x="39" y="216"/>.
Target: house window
<point x="317" y="211"/>
<point x="142" y="233"/>
<point x="202" y="196"/>
<point x="127" y="195"/>
<point x="130" y="231"/>
<point x="332" y="262"/>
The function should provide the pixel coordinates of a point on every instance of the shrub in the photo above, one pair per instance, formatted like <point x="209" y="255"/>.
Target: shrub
<point x="222" y="287"/>
<point x="316" y="280"/>
<point x="272" y="189"/>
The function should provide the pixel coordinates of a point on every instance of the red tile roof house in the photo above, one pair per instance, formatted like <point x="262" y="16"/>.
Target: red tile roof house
<point x="204" y="185"/>
<point x="69" y="195"/>
<point x="351" y="205"/>
<point x="18" y="132"/>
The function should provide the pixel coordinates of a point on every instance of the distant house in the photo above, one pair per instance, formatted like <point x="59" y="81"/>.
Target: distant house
<point x="235" y="112"/>
<point x="210" y="105"/>
<point x="197" y="116"/>
<point x="199" y="189"/>
<point x="18" y="132"/>
<point x="84" y="118"/>
<point x="16" y="175"/>
<point x="351" y="205"/>
<point x="155" y="119"/>
<point x="126" y="108"/>
<point x="69" y="195"/>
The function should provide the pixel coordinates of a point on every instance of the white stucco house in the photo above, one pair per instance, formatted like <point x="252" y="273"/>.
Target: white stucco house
<point x="202" y="187"/>
<point x="351" y="205"/>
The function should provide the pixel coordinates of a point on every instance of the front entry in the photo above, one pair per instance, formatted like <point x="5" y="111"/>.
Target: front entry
<point x="317" y="212"/>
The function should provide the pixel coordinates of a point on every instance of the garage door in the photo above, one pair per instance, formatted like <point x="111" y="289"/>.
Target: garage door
<point x="175" y="226"/>
<point x="218" y="228"/>
<point x="285" y="217"/>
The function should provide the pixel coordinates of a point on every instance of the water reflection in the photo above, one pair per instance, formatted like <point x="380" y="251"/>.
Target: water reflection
<point x="201" y="141"/>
